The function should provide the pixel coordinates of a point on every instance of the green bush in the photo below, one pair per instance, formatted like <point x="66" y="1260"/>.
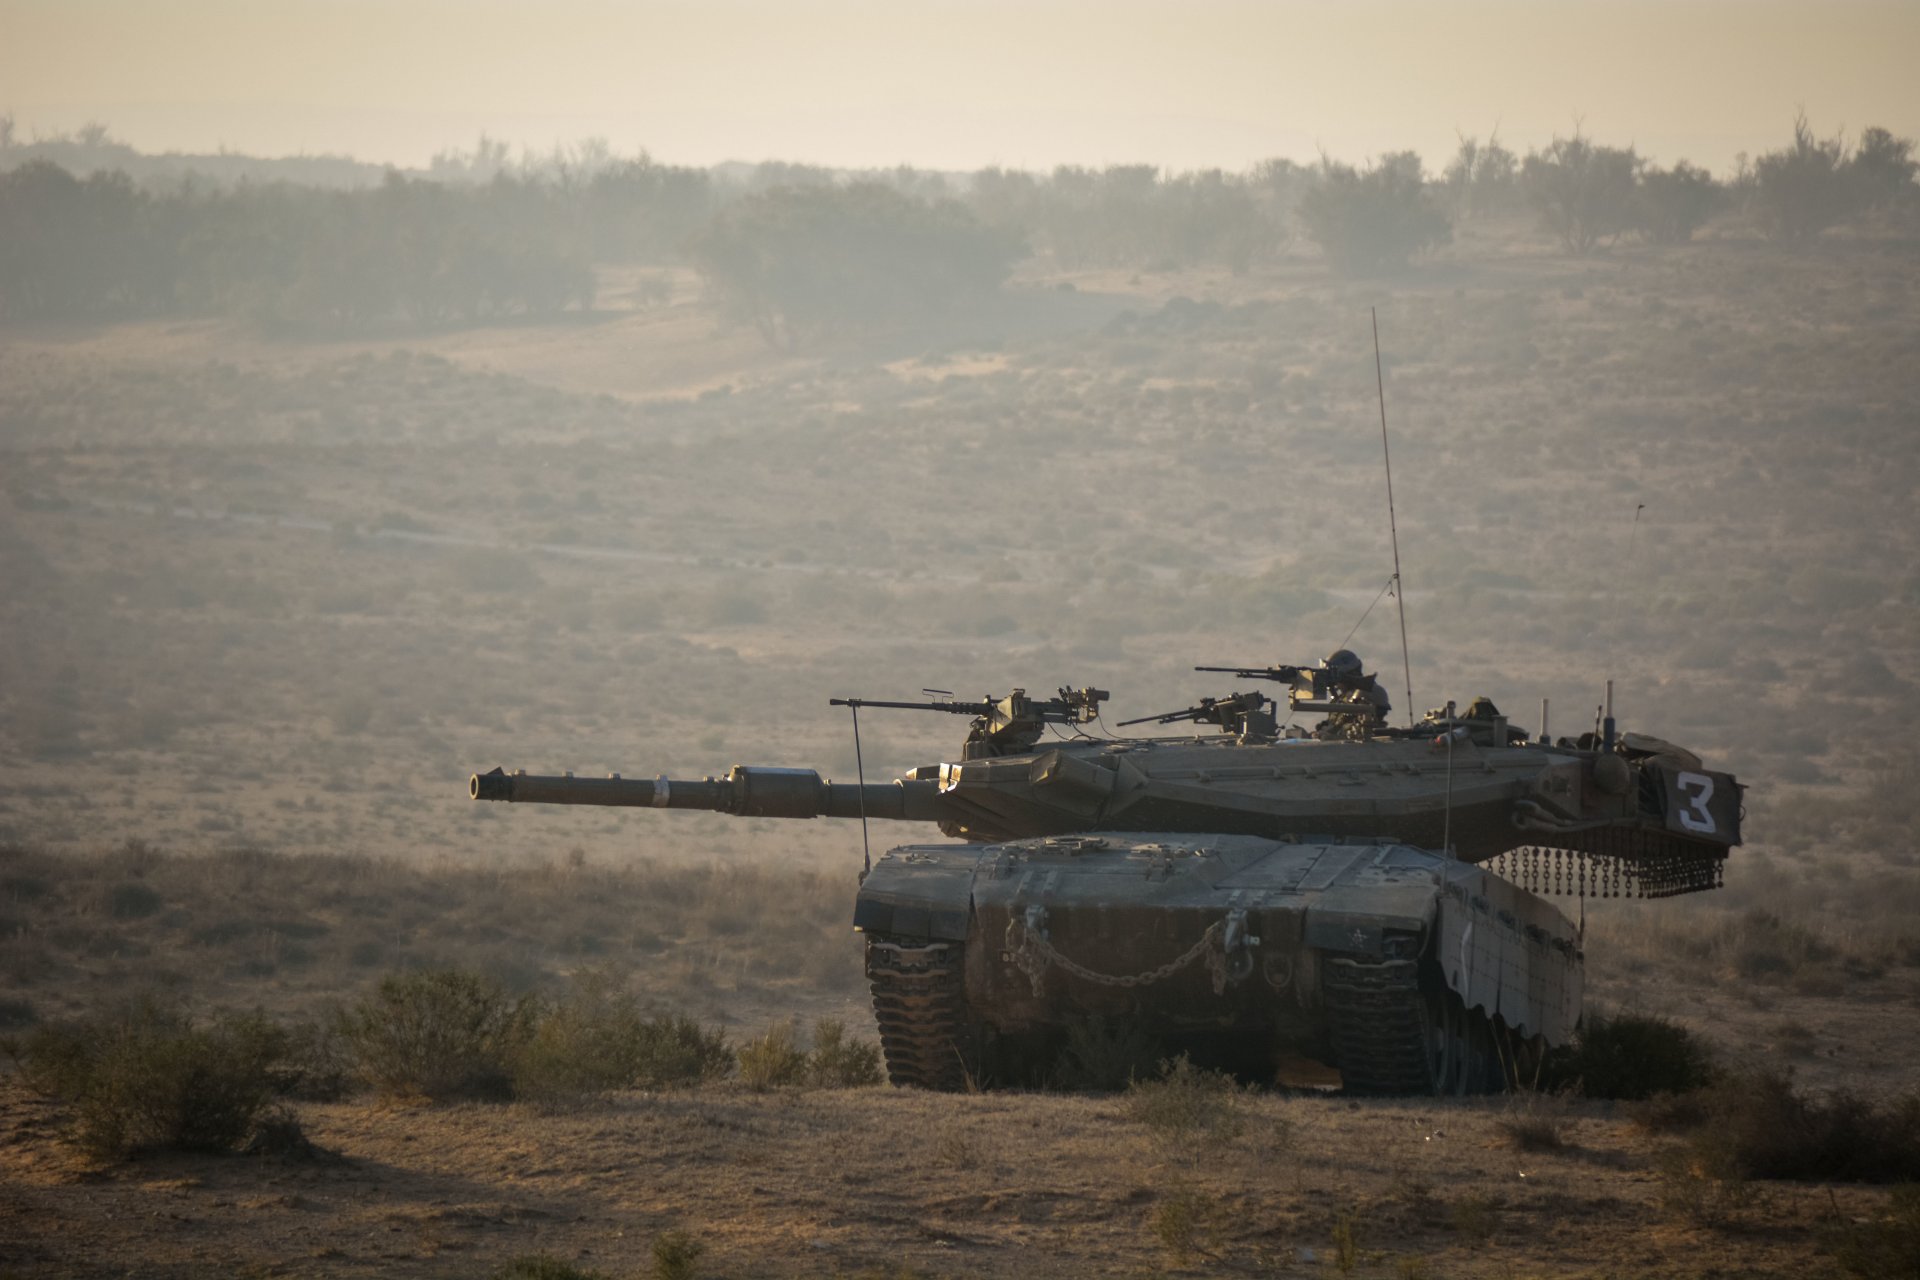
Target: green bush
<point x="437" y="1035"/>
<point x="773" y="1059"/>
<point x="1629" y="1056"/>
<point x="597" y="1038"/>
<point x="839" y="1063"/>
<point x="152" y="1079"/>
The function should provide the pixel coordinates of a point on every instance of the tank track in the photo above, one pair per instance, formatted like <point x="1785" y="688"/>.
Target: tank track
<point x="1379" y="1024"/>
<point x="920" y="1002"/>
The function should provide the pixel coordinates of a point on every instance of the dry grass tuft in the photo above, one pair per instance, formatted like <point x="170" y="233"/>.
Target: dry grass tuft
<point x="1187" y="1109"/>
<point x="1533" y="1132"/>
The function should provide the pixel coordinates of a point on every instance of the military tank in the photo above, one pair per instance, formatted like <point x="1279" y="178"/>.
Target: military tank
<point x="1344" y="891"/>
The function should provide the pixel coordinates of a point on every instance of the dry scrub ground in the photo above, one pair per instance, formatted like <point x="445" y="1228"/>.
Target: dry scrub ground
<point x="885" y="1183"/>
<point x="271" y="603"/>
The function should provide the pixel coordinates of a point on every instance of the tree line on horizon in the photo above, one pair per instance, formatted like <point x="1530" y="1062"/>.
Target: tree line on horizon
<point x="799" y="251"/>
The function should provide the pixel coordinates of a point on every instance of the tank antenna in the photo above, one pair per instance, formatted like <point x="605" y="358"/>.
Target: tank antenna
<point x="1393" y="528"/>
<point x="1606" y="728"/>
<point x="860" y="772"/>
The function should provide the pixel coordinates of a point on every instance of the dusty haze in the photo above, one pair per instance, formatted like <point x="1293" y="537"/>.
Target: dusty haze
<point x="954" y="85"/>
<point x="324" y="484"/>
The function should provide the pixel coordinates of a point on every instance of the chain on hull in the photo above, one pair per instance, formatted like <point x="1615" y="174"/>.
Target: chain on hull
<point x="920" y="1003"/>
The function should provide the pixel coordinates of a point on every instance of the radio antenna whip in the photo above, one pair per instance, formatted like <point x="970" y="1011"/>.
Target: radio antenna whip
<point x="1393" y="529"/>
<point x="860" y="772"/>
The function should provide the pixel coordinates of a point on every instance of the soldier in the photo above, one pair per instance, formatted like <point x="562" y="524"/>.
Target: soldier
<point x="1347" y="676"/>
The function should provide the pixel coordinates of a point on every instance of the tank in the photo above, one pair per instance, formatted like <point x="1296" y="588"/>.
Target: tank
<point x="1261" y="892"/>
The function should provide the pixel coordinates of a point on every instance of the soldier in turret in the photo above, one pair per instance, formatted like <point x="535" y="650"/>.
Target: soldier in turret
<point x="1343" y="678"/>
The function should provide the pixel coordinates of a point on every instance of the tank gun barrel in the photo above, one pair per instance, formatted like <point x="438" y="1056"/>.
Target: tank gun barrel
<point x="748" y="791"/>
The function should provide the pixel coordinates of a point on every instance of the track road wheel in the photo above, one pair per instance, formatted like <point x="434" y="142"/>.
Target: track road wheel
<point x="920" y="1003"/>
<point x="1393" y="1034"/>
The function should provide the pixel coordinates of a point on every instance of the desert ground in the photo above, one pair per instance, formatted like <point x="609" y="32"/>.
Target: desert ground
<point x="269" y="602"/>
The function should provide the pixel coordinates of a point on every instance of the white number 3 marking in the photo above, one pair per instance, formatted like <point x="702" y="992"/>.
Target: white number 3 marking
<point x="1699" y="789"/>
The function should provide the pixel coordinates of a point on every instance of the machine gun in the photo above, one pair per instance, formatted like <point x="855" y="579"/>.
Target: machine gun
<point x="1002" y="726"/>
<point x="1353" y="703"/>
<point x="1283" y="674"/>
<point x="1248" y="714"/>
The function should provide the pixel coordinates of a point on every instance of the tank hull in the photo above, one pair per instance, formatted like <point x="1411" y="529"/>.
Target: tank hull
<point x="1406" y="971"/>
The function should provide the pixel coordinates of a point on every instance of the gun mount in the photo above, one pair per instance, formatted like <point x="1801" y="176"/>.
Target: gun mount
<point x="1250" y="715"/>
<point x="1003" y="726"/>
<point x="1353" y="703"/>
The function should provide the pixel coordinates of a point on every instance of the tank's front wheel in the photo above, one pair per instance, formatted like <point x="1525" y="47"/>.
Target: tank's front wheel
<point x="920" y="1004"/>
<point x="1394" y="1034"/>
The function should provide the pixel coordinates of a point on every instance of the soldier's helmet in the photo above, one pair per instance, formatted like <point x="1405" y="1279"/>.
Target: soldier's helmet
<point x="1344" y="663"/>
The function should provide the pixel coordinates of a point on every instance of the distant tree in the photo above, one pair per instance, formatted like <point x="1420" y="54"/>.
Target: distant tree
<point x="1483" y="177"/>
<point x="801" y="261"/>
<point x="1802" y="189"/>
<point x="1674" y="203"/>
<point x="1583" y="192"/>
<point x="1884" y="167"/>
<point x="1375" y="219"/>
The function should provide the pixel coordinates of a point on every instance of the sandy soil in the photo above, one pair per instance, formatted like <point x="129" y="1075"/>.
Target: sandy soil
<point x="879" y="1182"/>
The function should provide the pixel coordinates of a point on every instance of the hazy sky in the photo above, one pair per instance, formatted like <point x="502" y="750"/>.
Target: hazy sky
<point x="945" y="84"/>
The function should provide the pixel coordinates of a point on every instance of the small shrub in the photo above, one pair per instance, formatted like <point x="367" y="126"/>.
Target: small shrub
<point x="544" y="1266"/>
<point x="677" y="1050"/>
<point x="152" y="1079"/>
<point x="1346" y="1244"/>
<point x="839" y="1063"/>
<point x="1776" y="1131"/>
<point x="676" y="1256"/>
<point x="130" y="901"/>
<point x="437" y="1035"/>
<point x="1474" y="1218"/>
<point x="1185" y="1220"/>
<point x="1670" y="1112"/>
<point x="597" y="1038"/>
<point x="1187" y="1107"/>
<point x="774" y="1059"/>
<point x="1762" y="1126"/>
<point x="279" y="1135"/>
<point x="1629" y="1056"/>
<point x="957" y="1146"/>
<point x="1887" y="1244"/>
<point x="1534" y="1132"/>
<point x="1705" y="1186"/>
